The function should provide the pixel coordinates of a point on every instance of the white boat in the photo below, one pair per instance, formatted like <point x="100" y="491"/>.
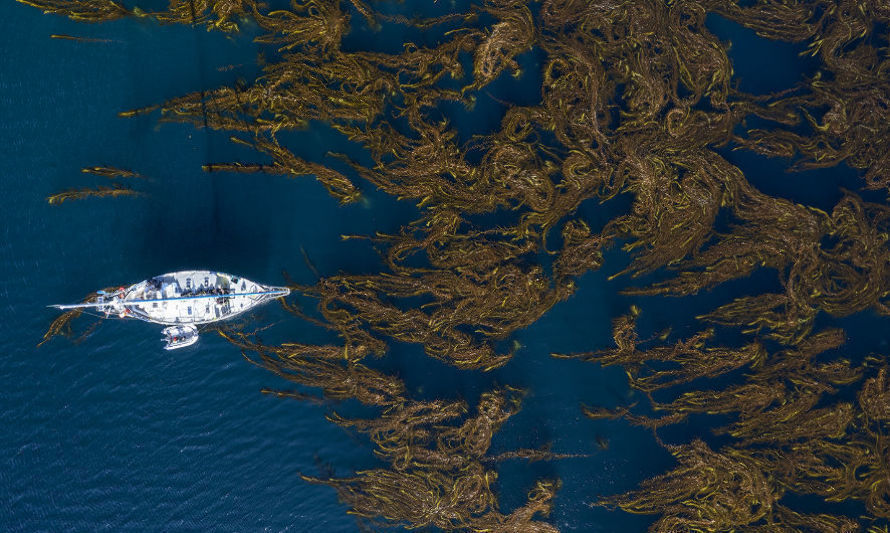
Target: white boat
<point x="187" y="298"/>
<point x="180" y="336"/>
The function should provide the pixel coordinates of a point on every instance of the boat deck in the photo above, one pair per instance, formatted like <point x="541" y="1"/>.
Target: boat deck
<point x="195" y="297"/>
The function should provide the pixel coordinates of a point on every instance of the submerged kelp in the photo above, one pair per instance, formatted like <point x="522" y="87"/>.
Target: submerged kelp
<point x="637" y="100"/>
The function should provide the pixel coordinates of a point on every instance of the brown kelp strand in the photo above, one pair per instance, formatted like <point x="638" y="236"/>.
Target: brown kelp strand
<point x="454" y="326"/>
<point x="415" y="434"/>
<point x="64" y="37"/>
<point x="438" y="470"/>
<point x="285" y="162"/>
<point x="707" y="491"/>
<point x="836" y="263"/>
<point x="673" y="217"/>
<point x="513" y="34"/>
<point x="111" y="172"/>
<point x="295" y="395"/>
<point x="323" y="367"/>
<point x="218" y="14"/>
<point x="853" y="466"/>
<point x="480" y="292"/>
<point x="845" y="104"/>
<point x="63" y="324"/>
<point x="102" y="191"/>
<point x="790" y="433"/>
<point x="841" y="270"/>
<point x="786" y="377"/>
<point x="538" y="454"/>
<point x="215" y="13"/>
<point x="726" y="490"/>
<point x="458" y="502"/>
<point x="84" y="10"/>
<point x="786" y="228"/>
<point x="405" y="432"/>
<point x="682" y="362"/>
<point x="784" y="520"/>
<point x="837" y="465"/>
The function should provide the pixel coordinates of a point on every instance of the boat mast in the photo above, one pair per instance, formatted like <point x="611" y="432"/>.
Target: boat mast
<point x="121" y="301"/>
<point x="81" y="306"/>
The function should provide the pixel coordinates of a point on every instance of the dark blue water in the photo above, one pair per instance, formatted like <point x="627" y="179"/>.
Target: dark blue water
<point x="116" y="434"/>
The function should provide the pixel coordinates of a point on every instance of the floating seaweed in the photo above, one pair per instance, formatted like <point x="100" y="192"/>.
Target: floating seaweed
<point x="834" y="263"/>
<point x="690" y="359"/>
<point x="438" y="474"/>
<point x="110" y="172"/>
<point x="79" y="39"/>
<point x="285" y="162"/>
<point x="85" y="192"/>
<point x="63" y="324"/>
<point x="83" y="10"/>
<point x="324" y="367"/>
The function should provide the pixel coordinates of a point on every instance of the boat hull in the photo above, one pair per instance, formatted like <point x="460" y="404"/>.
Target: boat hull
<point x="176" y="337"/>
<point x="192" y="297"/>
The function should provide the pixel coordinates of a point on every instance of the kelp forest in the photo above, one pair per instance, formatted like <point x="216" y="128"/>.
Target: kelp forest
<point x="639" y="113"/>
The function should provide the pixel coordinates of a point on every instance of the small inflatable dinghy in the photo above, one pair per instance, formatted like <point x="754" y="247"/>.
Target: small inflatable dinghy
<point x="180" y="336"/>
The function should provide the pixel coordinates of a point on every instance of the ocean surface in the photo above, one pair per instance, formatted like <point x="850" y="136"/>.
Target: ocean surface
<point x="116" y="434"/>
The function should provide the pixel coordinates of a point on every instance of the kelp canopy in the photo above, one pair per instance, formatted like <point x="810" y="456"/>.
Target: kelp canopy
<point x="638" y="100"/>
